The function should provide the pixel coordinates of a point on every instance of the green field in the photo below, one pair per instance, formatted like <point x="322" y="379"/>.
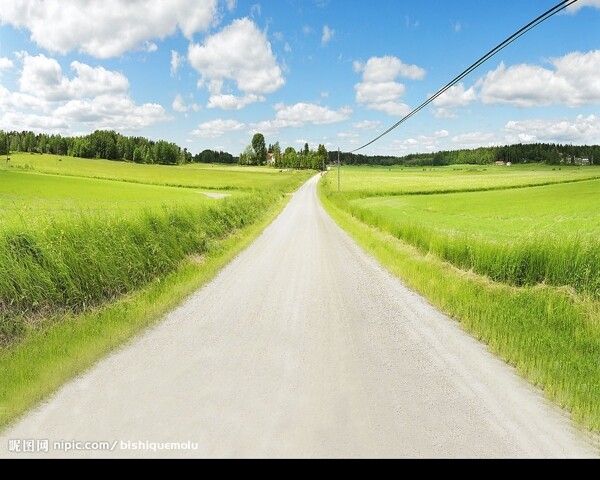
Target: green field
<point x="39" y="197"/>
<point x="518" y="266"/>
<point x="91" y="251"/>
<point x="379" y="181"/>
<point x="503" y="216"/>
<point x="207" y="177"/>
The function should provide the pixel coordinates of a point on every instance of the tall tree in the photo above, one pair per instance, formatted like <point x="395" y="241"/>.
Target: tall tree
<point x="260" y="148"/>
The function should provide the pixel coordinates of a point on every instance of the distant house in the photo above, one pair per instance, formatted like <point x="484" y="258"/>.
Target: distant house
<point x="509" y="164"/>
<point x="270" y="159"/>
<point x="585" y="161"/>
<point x="500" y="163"/>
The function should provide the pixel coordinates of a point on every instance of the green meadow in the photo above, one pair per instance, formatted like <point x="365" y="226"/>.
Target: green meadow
<point x="208" y="177"/>
<point x="92" y="251"/>
<point x="513" y="254"/>
<point x="380" y="181"/>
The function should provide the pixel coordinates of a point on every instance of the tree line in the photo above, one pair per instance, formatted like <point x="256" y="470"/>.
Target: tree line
<point x="108" y="145"/>
<point x="257" y="153"/>
<point x="549" y="153"/>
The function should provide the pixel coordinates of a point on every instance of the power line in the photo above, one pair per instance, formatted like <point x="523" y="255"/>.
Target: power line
<point x="541" y="19"/>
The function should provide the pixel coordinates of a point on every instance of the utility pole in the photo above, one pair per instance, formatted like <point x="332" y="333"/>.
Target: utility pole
<point x="339" y="173"/>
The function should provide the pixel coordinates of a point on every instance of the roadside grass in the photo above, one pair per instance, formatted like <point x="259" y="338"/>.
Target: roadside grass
<point x="524" y="236"/>
<point x="85" y="263"/>
<point x="551" y="335"/>
<point x="68" y="265"/>
<point x="67" y="344"/>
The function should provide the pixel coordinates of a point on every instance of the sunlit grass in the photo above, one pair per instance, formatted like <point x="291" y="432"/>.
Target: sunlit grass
<point x="518" y="268"/>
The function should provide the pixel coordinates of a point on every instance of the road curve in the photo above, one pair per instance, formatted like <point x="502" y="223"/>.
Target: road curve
<point x="303" y="347"/>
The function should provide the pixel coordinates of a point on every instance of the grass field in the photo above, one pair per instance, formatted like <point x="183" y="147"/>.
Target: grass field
<point x="69" y="242"/>
<point x="518" y="266"/>
<point x="91" y="251"/>
<point x="379" y="181"/>
<point x="40" y="197"/>
<point x="208" y="177"/>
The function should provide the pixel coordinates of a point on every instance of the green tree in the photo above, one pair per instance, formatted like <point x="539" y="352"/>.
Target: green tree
<point x="248" y="157"/>
<point x="322" y="155"/>
<point x="277" y="155"/>
<point x="260" y="149"/>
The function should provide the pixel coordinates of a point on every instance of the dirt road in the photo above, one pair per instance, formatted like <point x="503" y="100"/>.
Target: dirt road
<point x="303" y="347"/>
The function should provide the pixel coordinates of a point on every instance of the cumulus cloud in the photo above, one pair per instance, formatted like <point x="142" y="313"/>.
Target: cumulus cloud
<point x="241" y="54"/>
<point x="92" y="97"/>
<point x="106" y="28"/>
<point x="379" y="89"/>
<point x="43" y="78"/>
<point x="180" y="106"/>
<point x="582" y="129"/>
<point x="573" y="82"/>
<point x="6" y="64"/>
<point x="300" y="114"/>
<point x="328" y="35"/>
<point x="217" y="128"/>
<point x="583" y="3"/>
<point x="455" y="97"/>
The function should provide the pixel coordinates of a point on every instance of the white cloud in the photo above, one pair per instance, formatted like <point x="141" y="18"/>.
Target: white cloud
<point x="242" y="54"/>
<point x="118" y="112"/>
<point x="347" y="135"/>
<point x="93" y="98"/>
<point x="583" y="3"/>
<point x="367" y="125"/>
<point x="457" y="27"/>
<point x="328" y="35"/>
<point x="180" y="106"/>
<point x="217" y="128"/>
<point x="573" y="82"/>
<point x="379" y="89"/>
<point x="6" y="64"/>
<point x="106" y="28"/>
<point x="582" y="129"/>
<point x="150" y="47"/>
<point x="456" y="96"/>
<point x="300" y="114"/>
<point x="177" y="61"/>
<point x="373" y="93"/>
<point x="445" y="113"/>
<point x="231" y="5"/>
<point x="387" y="69"/>
<point x="232" y="102"/>
<point x="473" y="140"/>
<point x="43" y="77"/>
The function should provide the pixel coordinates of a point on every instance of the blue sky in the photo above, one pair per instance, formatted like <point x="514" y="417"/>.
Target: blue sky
<point x="211" y="73"/>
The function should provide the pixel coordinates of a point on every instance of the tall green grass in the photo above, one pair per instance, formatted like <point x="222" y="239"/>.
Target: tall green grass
<point x="68" y="344"/>
<point x="73" y="265"/>
<point x="474" y="232"/>
<point x="550" y="334"/>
